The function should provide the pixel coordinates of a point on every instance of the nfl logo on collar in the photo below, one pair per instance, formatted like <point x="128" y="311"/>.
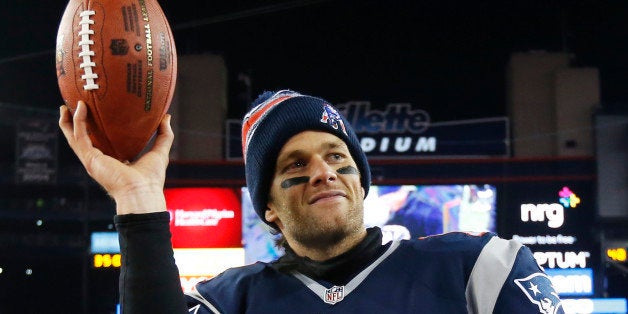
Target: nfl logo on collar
<point x="334" y="294"/>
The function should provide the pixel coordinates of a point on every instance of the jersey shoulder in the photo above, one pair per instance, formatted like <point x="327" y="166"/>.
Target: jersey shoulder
<point x="235" y="276"/>
<point x="453" y="242"/>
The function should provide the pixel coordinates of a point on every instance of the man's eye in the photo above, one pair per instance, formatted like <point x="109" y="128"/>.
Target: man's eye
<point x="336" y="157"/>
<point x="297" y="164"/>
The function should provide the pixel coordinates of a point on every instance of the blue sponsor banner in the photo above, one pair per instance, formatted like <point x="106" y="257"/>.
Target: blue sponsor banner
<point x="609" y="305"/>
<point x="572" y="281"/>
<point x="105" y="242"/>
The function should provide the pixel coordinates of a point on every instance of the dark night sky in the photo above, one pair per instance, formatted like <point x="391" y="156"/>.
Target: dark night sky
<point x="447" y="57"/>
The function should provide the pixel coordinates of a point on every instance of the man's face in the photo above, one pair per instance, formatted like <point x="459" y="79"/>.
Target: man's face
<point x="316" y="197"/>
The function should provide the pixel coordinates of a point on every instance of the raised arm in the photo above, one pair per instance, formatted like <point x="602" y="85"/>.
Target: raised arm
<point x="149" y="278"/>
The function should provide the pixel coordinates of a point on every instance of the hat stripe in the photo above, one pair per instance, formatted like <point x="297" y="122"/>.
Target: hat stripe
<point x="253" y="118"/>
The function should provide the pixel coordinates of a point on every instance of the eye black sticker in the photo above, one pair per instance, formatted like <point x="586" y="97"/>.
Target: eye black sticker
<point x="348" y="170"/>
<point x="288" y="183"/>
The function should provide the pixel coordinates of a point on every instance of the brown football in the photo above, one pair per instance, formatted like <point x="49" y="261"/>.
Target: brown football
<point x="119" y="57"/>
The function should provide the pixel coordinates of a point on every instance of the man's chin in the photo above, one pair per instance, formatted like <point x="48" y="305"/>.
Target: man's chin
<point x="323" y="236"/>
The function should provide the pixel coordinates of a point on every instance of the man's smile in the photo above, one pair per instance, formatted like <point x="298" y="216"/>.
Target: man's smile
<point x="326" y="195"/>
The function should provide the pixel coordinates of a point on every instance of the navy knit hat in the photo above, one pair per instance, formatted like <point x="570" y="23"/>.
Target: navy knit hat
<point x="274" y="118"/>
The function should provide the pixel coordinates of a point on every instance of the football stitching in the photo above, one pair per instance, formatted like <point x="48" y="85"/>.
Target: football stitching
<point x="86" y="53"/>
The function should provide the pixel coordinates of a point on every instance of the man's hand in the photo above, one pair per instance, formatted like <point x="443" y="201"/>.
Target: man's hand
<point x="137" y="187"/>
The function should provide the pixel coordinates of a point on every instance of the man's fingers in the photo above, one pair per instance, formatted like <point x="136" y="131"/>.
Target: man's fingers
<point x="74" y="129"/>
<point x="65" y="123"/>
<point x="80" y="122"/>
<point x="165" y="136"/>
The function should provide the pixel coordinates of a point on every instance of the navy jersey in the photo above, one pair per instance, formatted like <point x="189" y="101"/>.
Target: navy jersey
<point x="449" y="273"/>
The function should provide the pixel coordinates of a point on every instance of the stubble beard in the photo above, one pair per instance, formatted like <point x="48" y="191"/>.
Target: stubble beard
<point x="323" y="234"/>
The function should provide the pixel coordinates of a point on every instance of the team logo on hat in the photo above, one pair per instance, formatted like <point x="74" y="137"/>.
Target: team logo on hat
<point x="539" y="290"/>
<point x="333" y="118"/>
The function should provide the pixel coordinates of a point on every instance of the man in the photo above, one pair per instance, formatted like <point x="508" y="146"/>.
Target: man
<point x="307" y="177"/>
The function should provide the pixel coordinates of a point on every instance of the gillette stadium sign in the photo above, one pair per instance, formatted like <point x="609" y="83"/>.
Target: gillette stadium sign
<point x="400" y="130"/>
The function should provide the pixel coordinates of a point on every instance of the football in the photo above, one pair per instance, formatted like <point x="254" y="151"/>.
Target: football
<point x="119" y="57"/>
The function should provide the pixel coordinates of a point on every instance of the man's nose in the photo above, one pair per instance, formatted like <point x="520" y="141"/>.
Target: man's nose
<point x="322" y="172"/>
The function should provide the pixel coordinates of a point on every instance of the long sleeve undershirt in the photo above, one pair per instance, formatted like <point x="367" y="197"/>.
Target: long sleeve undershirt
<point x="149" y="278"/>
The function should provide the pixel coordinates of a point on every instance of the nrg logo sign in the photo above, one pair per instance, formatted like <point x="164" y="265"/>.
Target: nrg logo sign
<point x="553" y="213"/>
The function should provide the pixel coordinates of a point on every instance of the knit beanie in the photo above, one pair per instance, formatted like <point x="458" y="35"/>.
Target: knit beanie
<point x="274" y="118"/>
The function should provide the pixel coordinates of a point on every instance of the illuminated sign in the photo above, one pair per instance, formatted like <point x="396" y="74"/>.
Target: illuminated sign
<point x="201" y="264"/>
<point x="616" y="254"/>
<point x="401" y="130"/>
<point x="545" y="240"/>
<point x="107" y="260"/>
<point x="562" y="259"/>
<point x="554" y="220"/>
<point x="400" y="144"/>
<point x="554" y="213"/>
<point x="104" y="242"/>
<point x="106" y="249"/>
<point x="568" y="198"/>
<point x="204" y="217"/>
<point x="606" y="305"/>
<point x="572" y="282"/>
<point x="396" y="118"/>
<point x="201" y="218"/>
<point x="188" y="283"/>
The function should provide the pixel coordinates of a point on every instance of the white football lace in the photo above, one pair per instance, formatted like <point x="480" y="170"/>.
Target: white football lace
<point x="86" y="53"/>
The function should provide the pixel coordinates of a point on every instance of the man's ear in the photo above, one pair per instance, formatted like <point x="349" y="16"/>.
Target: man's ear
<point x="362" y="192"/>
<point x="271" y="216"/>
